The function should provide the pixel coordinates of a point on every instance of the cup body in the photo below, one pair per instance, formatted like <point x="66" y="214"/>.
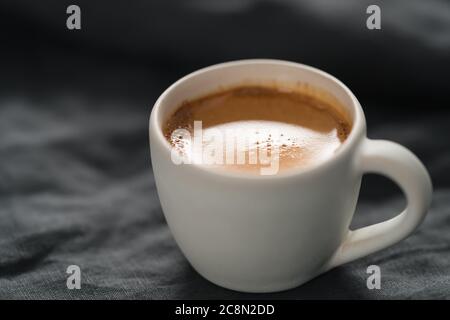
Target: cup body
<point x="257" y="233"/>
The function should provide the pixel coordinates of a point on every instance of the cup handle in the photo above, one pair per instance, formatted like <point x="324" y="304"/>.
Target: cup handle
<point x="403" y="167"/>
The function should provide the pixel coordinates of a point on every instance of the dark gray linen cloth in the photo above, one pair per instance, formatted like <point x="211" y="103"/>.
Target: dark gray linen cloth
<point x="76" y="182"/>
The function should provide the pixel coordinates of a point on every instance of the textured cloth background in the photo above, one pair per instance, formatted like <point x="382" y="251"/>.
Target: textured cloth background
<point x="76" y="184"/>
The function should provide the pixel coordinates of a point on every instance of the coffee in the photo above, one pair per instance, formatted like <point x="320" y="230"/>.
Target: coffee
<point x="250" y="127"/>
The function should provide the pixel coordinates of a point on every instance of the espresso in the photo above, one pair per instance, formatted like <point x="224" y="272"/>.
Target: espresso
<point x="257" y="129"/>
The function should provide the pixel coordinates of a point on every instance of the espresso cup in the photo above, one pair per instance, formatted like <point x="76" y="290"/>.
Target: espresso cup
<point x="266" y="233"/>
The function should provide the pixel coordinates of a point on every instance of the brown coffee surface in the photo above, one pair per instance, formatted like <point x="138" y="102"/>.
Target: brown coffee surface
<point x="257" y="123"/>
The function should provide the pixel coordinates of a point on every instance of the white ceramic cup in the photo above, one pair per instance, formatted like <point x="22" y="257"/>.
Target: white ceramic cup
<point x="269" y="233"/>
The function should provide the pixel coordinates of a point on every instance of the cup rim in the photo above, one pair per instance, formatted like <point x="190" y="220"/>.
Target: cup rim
<point x="358" y="125"/>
